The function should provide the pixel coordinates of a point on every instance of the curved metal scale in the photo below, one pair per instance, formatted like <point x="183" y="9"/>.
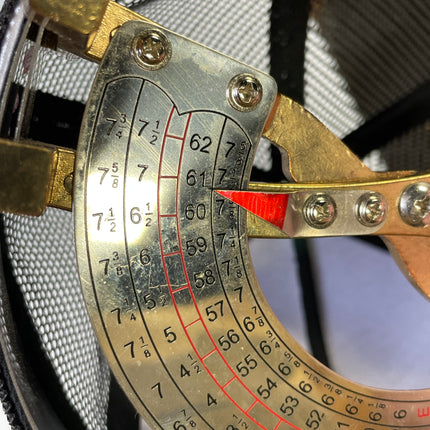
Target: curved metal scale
<point x="164" y="259"/>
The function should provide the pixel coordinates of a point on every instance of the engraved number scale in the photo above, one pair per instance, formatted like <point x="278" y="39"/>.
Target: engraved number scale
<point x="164" y="260"/>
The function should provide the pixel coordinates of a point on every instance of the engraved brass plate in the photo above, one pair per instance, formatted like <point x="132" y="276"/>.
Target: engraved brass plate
<point x="165" y="265"/>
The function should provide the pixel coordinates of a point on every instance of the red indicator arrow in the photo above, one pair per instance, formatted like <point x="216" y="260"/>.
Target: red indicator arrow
<point x="272" y="207"/>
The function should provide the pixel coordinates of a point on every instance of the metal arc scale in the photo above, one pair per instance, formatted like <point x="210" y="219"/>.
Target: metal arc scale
<point x="164" y="259"/>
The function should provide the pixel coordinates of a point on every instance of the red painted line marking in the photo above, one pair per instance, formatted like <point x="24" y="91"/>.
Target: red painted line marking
<point x="249" y="409"/>
<point x="171" y="136"/>
<point x="168" y="177"/>
<point x="169" y="120"/>
<point x="272" y="207"/>
<point x="168" y="216"/>
<point x="208" y="354"/>
<point x="177" y="289"/>
<point x="228" y="383"/>
<point x="278" y="425"/>
<point x="193" y="297"/>
<point x="171" y="253"/>
<point x="192" y="323"/>
<point x="163" y="257"/>
<point x="279" y="417"/>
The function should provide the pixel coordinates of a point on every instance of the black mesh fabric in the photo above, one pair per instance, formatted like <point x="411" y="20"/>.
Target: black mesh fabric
<point x="362" y="58"/>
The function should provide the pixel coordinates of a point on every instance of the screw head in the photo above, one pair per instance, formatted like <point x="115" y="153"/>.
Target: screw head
<point x="68" y="183"/>
<point x="371" y="209"/>
<point x="320" y="210"/>
<point x="414" y="205"/>
<point x="152" y="50"/>
<point x="245" y="92"/>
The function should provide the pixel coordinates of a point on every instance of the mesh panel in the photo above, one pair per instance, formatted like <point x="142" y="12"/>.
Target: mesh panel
<point x="132" y="4"/>
<point x="67" y="76"/>
<point x="57" y="72"/>
<point x="326" y="91"/>
<point x="239" y="29"/>
<point x="412" y="149"/>
<point x="62" y="75"/>
<point x="363" y="56"/>
<point x="45" y="268"/>
<point x="21" y="74"/>
<point x="43" y="256"/>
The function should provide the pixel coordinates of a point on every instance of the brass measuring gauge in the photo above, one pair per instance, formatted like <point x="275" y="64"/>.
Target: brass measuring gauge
<point x="164" y="259"/>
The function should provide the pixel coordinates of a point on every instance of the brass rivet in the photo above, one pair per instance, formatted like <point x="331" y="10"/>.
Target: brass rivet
<point x="68" y="183"/>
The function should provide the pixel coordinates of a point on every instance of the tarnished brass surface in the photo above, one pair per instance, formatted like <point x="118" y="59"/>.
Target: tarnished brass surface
<point x="151" y="151"/>
<point x="313" y="154"/>
<point x="165" y="265"/>
<point x="72" y="20"/>
<point x="62" y="170"/>
<point x="24" y="177"/>
<point x="115" y="16"/>
<point x="310" y="153"/>
<point x="84" y="27"/>
<point x="79" y="16"/>
<point x="32" y="176"/>
<point x="412" y="256"/>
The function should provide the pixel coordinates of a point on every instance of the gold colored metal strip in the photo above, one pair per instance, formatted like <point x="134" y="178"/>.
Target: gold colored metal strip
<point x="73" y="20"/>
<point x="79" y="16"/>
<point x="34" y="176"/>
<point x="62" y="179"/>
<point x="25" y="177"/>
<point x="260" y="229"/>
<point x="311" y="152"/>
<point x="84" y="27"/>
<point x="114" y="16"/>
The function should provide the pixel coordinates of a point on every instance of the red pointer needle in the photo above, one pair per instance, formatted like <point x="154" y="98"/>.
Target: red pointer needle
<point x="272" y="207"/>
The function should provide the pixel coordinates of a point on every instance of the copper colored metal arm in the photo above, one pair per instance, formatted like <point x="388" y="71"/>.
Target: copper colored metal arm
<point x="311" y="153"/>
